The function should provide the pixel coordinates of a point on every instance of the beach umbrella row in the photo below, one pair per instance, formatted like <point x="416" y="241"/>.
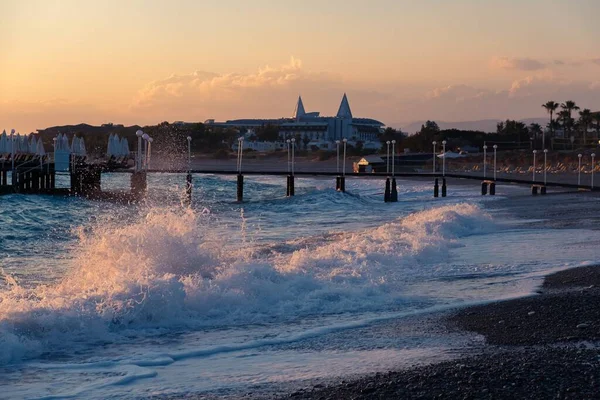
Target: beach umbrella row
<point x="23" y="144"/>
<point x="78" y="146"/>
<point x="61" y="143"/>
<point x="117" y="147"/>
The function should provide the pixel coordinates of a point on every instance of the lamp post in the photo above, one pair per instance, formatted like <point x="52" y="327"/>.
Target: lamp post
<point x="12" y="155"/>
<point x="484" y="161"/>
<point x="579" y="170"/>
<point x="434" y="155"/>
<point x="289" y="155"/>
<point x="444" y="158"/>
<point x="241" y="153"/>
<point x="293" y="150"/>
<point x="543" y="139"/>
<point x="150" y="140"/>
<point x="534" y="153"/>
<point x="545" y="163"/>
<point x="189" y="141"/>
<point x="393" y="158"/>
<point x="138" y="161"/>
<point x="337" y="145"/>
<point x="344" y="166"/>
<point x="495" y="150"/>
<point x="387" y="164"/>
<point x="145" y="136"/>
<point x="593" y="167"/>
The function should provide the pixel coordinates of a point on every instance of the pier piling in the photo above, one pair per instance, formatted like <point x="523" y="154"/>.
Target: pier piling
<point x="290" y="186"/>
<point x="443" y="187"/>
<point x="394" y="193"/>
<point x="484" y="188"/>
<point x="188" y="188"/>
<point x="340" y="183"/>
<point x="534" y="190"/>
<point x="436" y="188"/>
<point x="240" y="188"/>
<point x="139" y="184"/>
<point x="492" y="188"/>
<point x="387" y="193"/>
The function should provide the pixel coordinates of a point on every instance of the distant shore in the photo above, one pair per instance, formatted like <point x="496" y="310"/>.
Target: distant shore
<point x="539" y="347"/>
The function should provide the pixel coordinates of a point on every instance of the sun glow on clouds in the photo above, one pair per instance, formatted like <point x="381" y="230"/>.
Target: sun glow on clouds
<point x="271" y="91"/>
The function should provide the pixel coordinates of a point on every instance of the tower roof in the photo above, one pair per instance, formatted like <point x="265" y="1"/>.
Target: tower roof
<point x="299" y="111"/>
<point x="344" y="110"/>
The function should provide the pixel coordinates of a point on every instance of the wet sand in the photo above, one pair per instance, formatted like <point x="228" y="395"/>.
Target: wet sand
<point x="539" y="347"/>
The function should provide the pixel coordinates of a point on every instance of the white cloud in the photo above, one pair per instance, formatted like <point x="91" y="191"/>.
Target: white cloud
<point x="521" y="64"/>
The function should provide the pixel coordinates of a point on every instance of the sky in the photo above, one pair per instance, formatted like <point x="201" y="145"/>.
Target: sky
<point x="143" y="62"/>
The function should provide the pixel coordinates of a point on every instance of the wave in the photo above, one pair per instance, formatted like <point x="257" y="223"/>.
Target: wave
<point x="170" y="270"/>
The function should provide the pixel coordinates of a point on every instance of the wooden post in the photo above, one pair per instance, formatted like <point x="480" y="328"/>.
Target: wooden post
<point x="394" y="193"/>
<point x="387" y="193"/>
<point x="188" y="187"/>
<point x="240" y="188"/>
<point x="138" y="184"/>
<point x="291" y="189"/>
<point x="534" y="190"/>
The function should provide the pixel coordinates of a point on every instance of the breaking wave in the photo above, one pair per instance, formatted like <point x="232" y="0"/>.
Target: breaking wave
<point x="171" y="270"/>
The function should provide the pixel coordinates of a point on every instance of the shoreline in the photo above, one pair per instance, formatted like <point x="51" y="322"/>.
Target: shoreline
<point x="540" y="346"/>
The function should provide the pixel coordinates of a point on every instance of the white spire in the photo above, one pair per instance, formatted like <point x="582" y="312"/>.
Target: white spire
<point x="344" y="110"/>
<point x="299" y="111"/>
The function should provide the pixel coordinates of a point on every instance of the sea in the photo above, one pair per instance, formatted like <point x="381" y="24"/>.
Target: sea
<point x="221" y="299"/>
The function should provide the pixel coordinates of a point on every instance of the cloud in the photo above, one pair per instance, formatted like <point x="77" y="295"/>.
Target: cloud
<point x="520" y="64"/>
<point x="258" y="94"/>
<point x="596" y="61"/>
<point x="457" y="93"/>
<point x="521" y="99"/>
<point x="271" y="92"/>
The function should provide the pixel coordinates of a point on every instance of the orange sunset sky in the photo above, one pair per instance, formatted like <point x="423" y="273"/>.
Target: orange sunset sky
<point x="143" y="62"/>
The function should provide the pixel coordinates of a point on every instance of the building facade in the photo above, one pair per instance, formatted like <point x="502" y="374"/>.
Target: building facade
<point x="312" y="126"/>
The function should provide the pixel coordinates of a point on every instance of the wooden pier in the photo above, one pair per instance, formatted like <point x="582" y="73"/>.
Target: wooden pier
<point x="38" y="177"/>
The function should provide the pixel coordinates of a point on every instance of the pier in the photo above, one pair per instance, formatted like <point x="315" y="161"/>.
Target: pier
<point x="34" y="171"/>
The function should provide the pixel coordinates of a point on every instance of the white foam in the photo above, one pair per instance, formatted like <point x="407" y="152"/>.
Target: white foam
<point x="167" y="271"/>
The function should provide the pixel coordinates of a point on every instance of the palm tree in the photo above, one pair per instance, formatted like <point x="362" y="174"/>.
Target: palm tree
<point x="562" y="119"/>
<point x="596" y="118"/>
<point x="536" y="131"/>
<point x="569" y="106"/>
<point x="550" y="106"/>
<point x="585" y="119"/>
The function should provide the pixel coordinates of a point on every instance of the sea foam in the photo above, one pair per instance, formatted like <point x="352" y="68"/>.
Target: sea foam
<point x="169" y="270"/>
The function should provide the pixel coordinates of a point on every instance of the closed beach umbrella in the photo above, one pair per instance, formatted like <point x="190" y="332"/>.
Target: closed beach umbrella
<point x="110" y="148"/>
<point x="32" y="145"/>
<point x="65" y="143"/>
<point x="3" y="143"/>
<point x="116" y="146"/>
<point x="124" y="147"/>
<point x="40" y="148"/>
<point x="18" y="144"/>
<point x="82" y="151"/>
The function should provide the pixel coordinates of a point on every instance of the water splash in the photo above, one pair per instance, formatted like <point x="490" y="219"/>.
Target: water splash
<point x="168" y="270"/>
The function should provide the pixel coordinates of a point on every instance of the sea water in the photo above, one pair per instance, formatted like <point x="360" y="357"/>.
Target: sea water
<point x="128" y="301"/>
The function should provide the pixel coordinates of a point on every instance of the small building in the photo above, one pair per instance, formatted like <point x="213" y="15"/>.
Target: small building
<point x="369" y="164"/>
